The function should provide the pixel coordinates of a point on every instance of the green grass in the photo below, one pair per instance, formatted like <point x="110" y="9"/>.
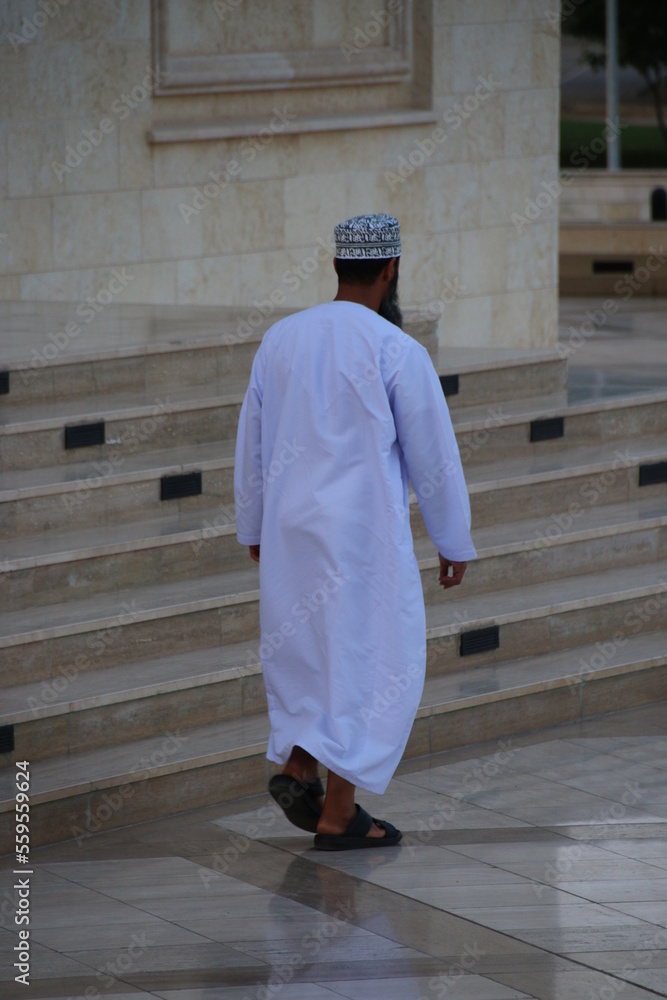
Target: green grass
<point x="642" y="146"/>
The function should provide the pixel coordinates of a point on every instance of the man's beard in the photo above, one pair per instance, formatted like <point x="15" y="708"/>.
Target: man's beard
<point x="389" y="307"/>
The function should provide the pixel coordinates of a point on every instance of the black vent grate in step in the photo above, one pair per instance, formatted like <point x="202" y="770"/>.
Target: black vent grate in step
<point x="4" y="383"/>
<point x="479" y="640"/>
<point x="547" y="430"/>
<point x="6" y="739"/>
<point x="613" y="267"/>
<point x="186" y="485"/>
<point x="84" y="435"/>
<point x="450" y="384"/>
<point x="655" y="472"/>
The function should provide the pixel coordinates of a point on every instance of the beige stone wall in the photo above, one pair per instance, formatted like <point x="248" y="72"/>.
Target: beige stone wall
<point x="601" y="197"/>
<point x="120" y="210"/>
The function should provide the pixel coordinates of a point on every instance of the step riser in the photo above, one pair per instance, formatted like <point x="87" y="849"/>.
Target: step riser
<point x="506" y="384"/>
<point x="551" y="562"/>
<point x="561" y="498"/>
<point x="57" y="583"/>
<point x="97" y="501"/>
<point x="41" y="382"/>
<point x="551" y="632"/>
<point x="70" y="581"/>
<point x="530" y="712"/>
<point x="162" y="427"/>
<point x="123" y="804"/>
<point x="152" y="373"/>
<point x="134" y="641"/>
<point x="495" y="440"/>
<point x="112" y="725"/>
<point x="157" y="431"/>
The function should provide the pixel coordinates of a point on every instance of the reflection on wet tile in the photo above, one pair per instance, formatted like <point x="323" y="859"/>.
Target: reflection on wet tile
<point x="532" y="864"/>
<point x="575" y="984"/>
<point x="455" y="987"/>
<point x="293" y="991"/>
<point x="211" y="956"/>
<point x="44" y="962"/>
<point x="619" y="890"/>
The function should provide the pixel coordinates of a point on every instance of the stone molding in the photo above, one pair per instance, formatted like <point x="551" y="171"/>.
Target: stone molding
<point x="165" y="132"/>
<point x="204" y="74"/>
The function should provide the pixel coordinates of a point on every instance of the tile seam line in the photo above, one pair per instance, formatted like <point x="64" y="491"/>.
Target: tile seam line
<point x="393" y="892"/>
<point x="94" y="970"/>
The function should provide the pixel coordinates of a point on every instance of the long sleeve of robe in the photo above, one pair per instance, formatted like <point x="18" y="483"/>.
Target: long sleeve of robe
<point x="341" y="409"/>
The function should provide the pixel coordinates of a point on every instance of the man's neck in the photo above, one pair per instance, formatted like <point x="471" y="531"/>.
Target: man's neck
<point x="363" y="295"/>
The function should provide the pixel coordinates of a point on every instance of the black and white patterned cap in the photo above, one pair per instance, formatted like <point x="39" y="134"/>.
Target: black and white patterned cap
<point x="367" y="237"/>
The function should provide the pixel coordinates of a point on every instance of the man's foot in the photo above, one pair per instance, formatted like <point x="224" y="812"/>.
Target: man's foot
<point x="295" y="800"/>
<point x="309" y="778"/>
<point x="362" y="832"/>
<point x="338" y="829"/>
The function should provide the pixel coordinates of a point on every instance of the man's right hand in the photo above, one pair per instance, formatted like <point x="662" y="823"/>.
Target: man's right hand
<point x="457" y="568"/>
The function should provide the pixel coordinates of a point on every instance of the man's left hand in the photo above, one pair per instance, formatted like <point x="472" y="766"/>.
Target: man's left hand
<point x="254" y="552"/>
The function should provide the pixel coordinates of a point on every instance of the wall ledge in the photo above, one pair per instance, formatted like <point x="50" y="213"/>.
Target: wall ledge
<point x="165" y="132"/>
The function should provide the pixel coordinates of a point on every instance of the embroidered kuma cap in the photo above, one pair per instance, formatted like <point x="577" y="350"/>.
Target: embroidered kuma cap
<point x="365" y="237"/>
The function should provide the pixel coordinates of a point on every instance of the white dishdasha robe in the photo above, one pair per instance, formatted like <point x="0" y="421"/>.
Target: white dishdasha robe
<point x="341" y="408"/>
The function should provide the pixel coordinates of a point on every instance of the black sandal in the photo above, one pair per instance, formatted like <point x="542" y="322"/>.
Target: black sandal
<point x="355" y="837"/>
<point x="297" y="799"/>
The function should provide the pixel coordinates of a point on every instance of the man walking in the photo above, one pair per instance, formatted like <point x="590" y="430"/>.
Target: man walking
<point x="342" y="407"/>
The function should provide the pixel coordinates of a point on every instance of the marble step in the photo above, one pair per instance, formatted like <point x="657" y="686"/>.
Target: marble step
<point x="562" y="482"/>
<point x="80" y="793"/>
<point x="90" y="493"/>
<point x="77" y="710"/>
<point x="51" y="353"/>
<point x="505" y="429"/>
<point x="56" y="567"/>
<point x="35" y="434"/>
<point x="127" y="626"/>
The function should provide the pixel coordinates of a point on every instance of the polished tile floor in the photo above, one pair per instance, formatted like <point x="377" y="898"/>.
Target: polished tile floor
<point x="531" y="867"/>
<point x="613" y="353"/>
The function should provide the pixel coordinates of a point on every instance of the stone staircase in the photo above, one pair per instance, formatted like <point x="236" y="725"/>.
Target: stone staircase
<point x="129" y="662"/>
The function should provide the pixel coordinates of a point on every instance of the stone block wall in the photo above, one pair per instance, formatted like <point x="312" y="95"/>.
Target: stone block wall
<point x="105" y="171"/>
